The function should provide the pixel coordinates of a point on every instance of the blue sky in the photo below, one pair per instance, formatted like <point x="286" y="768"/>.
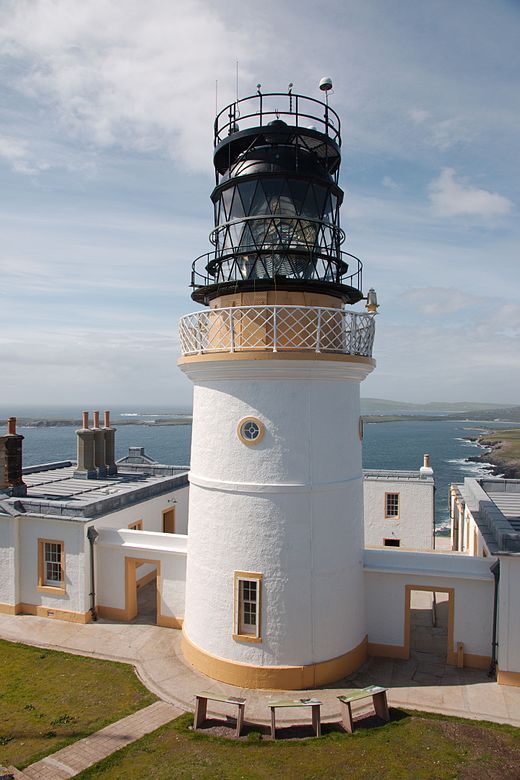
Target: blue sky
<point x="105" y="164"/>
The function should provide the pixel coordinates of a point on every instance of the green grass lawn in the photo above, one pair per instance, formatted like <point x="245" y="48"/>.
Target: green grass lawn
<point x="49" y="699"/>
<point x="413" y="745"/>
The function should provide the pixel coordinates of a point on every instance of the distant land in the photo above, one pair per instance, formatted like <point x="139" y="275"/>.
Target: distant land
<point x="373" y="410"/>
<point x="384" y="406"/>
<point x="503" y="452"/>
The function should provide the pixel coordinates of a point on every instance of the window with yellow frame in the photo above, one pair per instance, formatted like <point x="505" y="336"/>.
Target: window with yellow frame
<point x="247" y="606"/>
<point x="51" y="565"/>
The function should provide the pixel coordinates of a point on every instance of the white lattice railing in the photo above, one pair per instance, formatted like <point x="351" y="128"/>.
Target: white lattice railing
<point x="277" y="328"/>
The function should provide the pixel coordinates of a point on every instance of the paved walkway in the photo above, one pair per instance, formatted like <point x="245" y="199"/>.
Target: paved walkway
<point x="421" y="683"/>
<point x="73" y="759"/>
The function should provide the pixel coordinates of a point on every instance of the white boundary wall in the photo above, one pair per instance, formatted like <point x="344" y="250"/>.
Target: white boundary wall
<point x="387" y="572"/>
<point x="114" y="546"/>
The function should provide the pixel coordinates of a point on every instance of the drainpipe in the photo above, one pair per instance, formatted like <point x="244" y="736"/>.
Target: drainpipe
<point x="92" y="535"/>
<point x="495" y="570"/>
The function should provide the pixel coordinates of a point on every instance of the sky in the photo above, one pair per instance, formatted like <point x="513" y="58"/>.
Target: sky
<point x="106" y="112"/>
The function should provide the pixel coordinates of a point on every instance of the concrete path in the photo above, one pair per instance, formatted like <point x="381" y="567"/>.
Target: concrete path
<point x="73" y="759"/>
<point x="421" y="683"/>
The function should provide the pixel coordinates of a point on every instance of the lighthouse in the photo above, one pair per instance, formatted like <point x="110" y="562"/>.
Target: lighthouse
<point x="274" y="583"/>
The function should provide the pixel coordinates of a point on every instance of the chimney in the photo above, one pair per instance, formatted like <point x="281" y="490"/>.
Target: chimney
<point x="110" y="446"/>
<point x="426" y="470"/>
<point x="99" y="447"/>
<point x="11" y="461"/>
<point x="86" y="467"/>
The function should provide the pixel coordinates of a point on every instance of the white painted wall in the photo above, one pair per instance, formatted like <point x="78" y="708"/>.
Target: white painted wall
<point x="509" y="614"/>
<point x="150" y="512"/>
<point x="9" y="573"/>
<point x="290" y="508"/>
<point x="387" y="572"/>
<point x="414" y="527"/>
<point x="113" y="546"/>
<point x="76" y="564"/>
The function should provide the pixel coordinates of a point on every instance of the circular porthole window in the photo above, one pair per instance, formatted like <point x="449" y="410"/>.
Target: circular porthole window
<point x="250" y="430"/>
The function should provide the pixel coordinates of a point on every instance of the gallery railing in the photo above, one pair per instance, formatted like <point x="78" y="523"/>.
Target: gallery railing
<point x="277" y="329"/>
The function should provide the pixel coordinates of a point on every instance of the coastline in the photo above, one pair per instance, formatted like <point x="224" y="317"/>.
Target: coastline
<point x="502" y="450"/>
<point x="30" y="422"/>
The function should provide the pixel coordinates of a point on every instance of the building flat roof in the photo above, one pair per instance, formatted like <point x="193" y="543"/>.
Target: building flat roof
<point x="54" y="490"/>
<point x="396" y="475"/>
<point x="495" y="506"/>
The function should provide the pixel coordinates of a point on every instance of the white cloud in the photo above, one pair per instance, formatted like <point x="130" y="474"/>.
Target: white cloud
<point x="450" y="197"/>
<point x="418" y="115"/>
<point x="18" y="155"/>
<point x="438" y="301"/>
<point x="390" y="183"/>
<point x="139" y="75"/>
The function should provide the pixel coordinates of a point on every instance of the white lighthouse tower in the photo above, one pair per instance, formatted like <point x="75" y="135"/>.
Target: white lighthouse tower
<point x="274" y="587"/>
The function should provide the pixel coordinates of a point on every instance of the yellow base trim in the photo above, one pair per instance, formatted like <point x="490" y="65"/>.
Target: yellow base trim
<point x="56" y="614"/>
<point x="10" y="609"/>
<point x="471" y="660"/>
<point x="113" y="613"/>
<point x="387" y="651"/>
<point x="508" y="678"/>
<point x="124" y="616"/>
<point x="283" y="354"/>
<point x="168" y="621"/>
<point x="146" y="578"/>
<point x="274" y="677"/>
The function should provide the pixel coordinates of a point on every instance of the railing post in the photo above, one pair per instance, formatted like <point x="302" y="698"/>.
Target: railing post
<point x="231" y="330"/>
<point x="275" y="330"/>
<point x="199" y="336"/>
<point x="353" y="334"/>
<point x="318" y="332"/>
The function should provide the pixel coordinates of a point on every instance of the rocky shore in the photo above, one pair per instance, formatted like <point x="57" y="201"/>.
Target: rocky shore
<point x="502" y="450"/>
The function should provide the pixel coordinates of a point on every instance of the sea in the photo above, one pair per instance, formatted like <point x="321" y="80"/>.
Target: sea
<point x="386" y="445"/>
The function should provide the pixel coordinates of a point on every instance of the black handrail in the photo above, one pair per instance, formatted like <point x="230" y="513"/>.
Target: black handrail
<point x="201" y="276"/>
<point x="330" y="120"/>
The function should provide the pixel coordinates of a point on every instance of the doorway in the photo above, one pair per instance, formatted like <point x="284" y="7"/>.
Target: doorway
<point x="142" y="581"/>
<point x="429" y="615"/>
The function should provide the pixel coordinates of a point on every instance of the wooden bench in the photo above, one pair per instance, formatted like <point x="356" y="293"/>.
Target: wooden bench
<point x="315" y="705"/>
<point x="375" y="692"/>
<point x="201" y="707"/>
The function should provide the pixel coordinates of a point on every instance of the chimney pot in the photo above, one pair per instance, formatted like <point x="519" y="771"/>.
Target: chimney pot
<point x="426" y="461"/>
<point x="11" y="426"/>
<point x="95" y="424"/>
<point x="85" y="420"/>
<point x="106" y="421"/>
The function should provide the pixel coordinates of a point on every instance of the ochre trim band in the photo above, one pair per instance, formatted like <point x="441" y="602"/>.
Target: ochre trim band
<point x="48" y="612"/>
<point x="470" y="660"/>
<point x="283" y="354"/>
<point x="274" y="677"/>
<point x="508" y="678"/>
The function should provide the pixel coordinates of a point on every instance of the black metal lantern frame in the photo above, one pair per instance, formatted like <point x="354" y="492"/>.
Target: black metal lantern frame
<point x="276" y="201"/>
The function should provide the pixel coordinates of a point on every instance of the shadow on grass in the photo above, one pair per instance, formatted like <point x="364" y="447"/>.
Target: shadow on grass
<point x="225" y="728"/>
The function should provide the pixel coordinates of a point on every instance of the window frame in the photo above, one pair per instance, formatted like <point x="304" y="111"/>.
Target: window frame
<point x="398" y="515"/>
<point x="137" y="525"/>
<point x="261" y="431"/>
<point x="43" y="586"/>
<point x="240" y="577"/>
